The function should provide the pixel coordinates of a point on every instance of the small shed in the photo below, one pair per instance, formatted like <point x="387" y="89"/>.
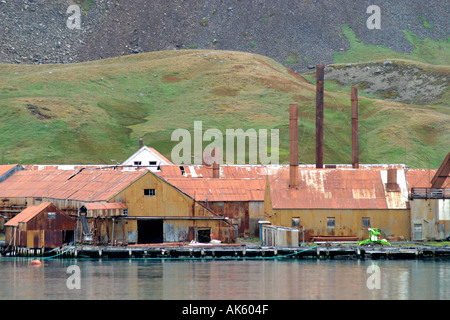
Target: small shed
<point x="276" y="236"/>
<point x="40" y="226"/>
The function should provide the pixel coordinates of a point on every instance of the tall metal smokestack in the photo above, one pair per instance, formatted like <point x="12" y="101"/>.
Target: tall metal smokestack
<point x="293" y="138"/>
<point x="216" y="163"/>
<point x="355" y="138"/>
<point x="319" y="116"/>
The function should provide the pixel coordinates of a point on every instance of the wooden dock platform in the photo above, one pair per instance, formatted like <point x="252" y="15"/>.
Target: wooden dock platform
<point x="241" y="251"/>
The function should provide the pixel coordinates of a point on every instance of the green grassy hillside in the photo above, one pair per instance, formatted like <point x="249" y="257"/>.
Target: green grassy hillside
<point x="435" y="52"/>
<point x="95" y="112"/>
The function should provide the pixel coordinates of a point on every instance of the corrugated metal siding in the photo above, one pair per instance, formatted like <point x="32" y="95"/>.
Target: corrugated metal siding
<point x="237" y="212"/>
<point x="276" y="236"/>
<point x="348" y="222"/>
<point x="36" y="229"/>
<point x="176" y="231"/>
<point x="169" y="201"/>
<point x="433" y="217"/>
<point x="35" y="239"/>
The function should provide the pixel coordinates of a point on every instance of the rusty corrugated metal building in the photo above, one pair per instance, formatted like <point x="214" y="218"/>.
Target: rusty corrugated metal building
<point x="67" y="189"/>
<point x="340" y="202"/>
<point x="235" y="191"/>
<point x="7" y="209"/>
<point x="154" y="209"/>
<point x="40" y="226"/>
<point x="429" y="194"/>
<point x="240" y="200"/>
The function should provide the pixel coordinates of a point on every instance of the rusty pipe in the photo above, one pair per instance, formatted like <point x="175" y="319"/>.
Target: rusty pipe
<point x="355" y="138"/>
<point x="216" y="163"/>
<point x="319" y="116"/>
<point x="293" y="139"/>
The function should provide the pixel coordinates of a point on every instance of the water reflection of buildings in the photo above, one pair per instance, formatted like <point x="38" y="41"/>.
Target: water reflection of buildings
<point x="227" y="280"/>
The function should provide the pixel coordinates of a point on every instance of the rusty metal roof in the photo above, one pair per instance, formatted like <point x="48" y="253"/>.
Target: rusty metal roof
<point x="247" y="171"/>
<point x="340" y="188"/>
<point x="337" y="189"/>
<point x="27" y="214"/>
<point x="5" y="168"/>
<point x="33" y="183"/>
<point x="442" y="174"/>
<point x="419" y="178"/>
<point x="86" y="185"/>
<point x="105" y="205"/>
<point x="202" y="189"/>
<point x="203" y="171"/>
<point x="99" y="185"/>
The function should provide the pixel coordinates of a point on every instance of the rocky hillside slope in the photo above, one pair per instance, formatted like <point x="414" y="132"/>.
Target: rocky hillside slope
<point x="297" y="34"/>
<point x="57" y="85"/>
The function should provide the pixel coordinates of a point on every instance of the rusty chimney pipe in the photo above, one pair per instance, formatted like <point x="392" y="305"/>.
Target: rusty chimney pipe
<point x="392" y="176"/>
<point x="293" y="138"/>
<point x="392" y="182"/>
<point x="319" y="116"/>
<point x="215" y="164"/>
<point x="355" y="138"/>
<point x="141" y="143"/>
<point x="204" y="162"/>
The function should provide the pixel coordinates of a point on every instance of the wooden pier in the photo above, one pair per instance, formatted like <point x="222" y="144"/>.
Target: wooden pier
<point x="233" y="251"/>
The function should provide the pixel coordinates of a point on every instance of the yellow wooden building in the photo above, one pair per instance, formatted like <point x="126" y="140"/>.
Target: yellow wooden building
<point x="340" y="202"/>
<point x="152" y="210"/>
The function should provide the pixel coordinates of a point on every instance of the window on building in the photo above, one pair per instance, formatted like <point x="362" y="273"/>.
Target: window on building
<point x="149" y="192"/>
<point x="182" y="170"/>
<point x="137" y="163"/>
<point x="152" y="163"/>
<point x="51" y="215"/>
<point x="366" y="222"/>
<point x="331" y="222"/>
<point x="295" y="222"/>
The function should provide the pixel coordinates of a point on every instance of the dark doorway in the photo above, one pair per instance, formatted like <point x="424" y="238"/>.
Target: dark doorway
<point x="68" y="236"/>
<point x="204" y="235"/>
<point x="150" y="231"/>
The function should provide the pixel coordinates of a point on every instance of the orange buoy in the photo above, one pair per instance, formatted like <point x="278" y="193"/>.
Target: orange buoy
<point x="36" y="262"/>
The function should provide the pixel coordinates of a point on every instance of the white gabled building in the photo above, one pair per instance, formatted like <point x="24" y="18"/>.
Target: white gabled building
<point x="147" y="157"/>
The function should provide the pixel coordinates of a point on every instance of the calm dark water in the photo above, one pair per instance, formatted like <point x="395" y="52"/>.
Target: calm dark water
<point x="225" y="279"/>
